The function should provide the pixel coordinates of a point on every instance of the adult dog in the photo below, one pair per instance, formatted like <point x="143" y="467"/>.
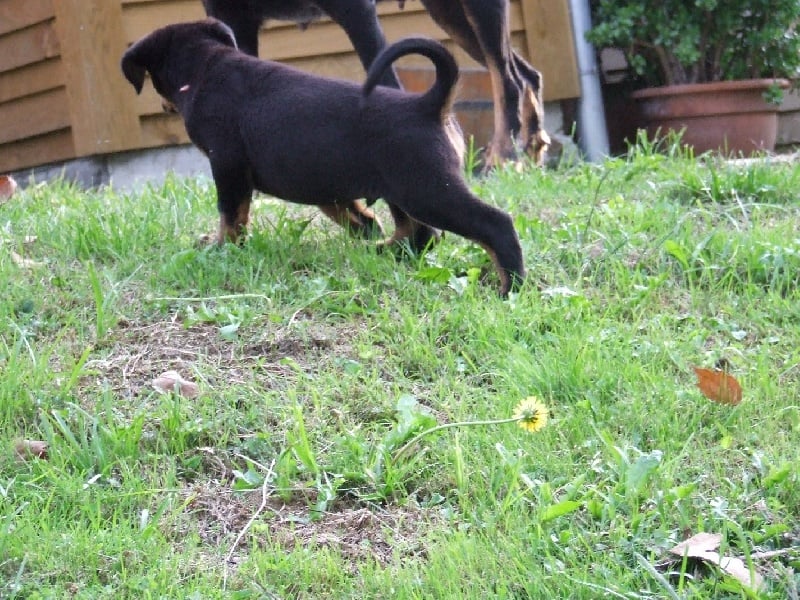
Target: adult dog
<point x="480" y="27"/>
<point x="268" y="127"/>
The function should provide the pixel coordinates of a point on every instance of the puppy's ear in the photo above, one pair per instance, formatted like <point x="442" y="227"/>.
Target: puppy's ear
<point x="143" y="56"/>
<point x="220" y="32"/>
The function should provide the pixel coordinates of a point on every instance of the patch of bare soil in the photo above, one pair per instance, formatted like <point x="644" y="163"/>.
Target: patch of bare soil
<point x="359" y="534"/>
<point x="138" y="354"/>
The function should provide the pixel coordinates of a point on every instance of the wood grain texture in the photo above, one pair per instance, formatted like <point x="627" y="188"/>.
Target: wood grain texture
<point x="551" y="46"/>
<point x="102" y="107"/>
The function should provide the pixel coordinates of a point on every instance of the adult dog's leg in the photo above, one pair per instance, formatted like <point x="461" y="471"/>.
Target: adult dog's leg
<point x="489" y="21"/>
<point x="517" y="86"/>
<point x="241" y="18"/>
<point x="533" y="138"/>
<point x="481" y="28"/>
<point x="359" y="20"/>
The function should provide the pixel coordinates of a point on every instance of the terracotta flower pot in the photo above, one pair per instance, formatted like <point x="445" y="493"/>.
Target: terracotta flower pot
<point x="731" y="117"/>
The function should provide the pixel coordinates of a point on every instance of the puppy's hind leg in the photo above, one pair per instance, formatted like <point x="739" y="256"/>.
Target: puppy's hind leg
<point x="416" y="235"/>
<point x="453" y="207"/>
<point x="359" y="220"/>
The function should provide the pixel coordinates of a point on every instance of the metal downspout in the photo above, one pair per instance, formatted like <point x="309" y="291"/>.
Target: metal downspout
<point x="592" y="132"/>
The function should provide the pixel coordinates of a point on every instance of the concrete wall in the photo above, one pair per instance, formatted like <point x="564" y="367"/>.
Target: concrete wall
<point x="789" y="121"/>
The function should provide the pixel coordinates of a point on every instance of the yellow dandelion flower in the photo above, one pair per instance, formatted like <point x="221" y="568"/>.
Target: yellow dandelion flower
<point x="531" y="414"/>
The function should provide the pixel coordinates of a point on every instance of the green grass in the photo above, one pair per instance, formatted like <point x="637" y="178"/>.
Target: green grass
<point x="318" y="358"/>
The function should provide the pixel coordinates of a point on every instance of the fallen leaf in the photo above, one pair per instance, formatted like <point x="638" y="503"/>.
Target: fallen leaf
<point x="702" y="546"/>
<point x="698" y="544"/>
<point x="26" y="449"/>
<point x="172" y="381"/>
<point x="718" y="386"/>
<point x="25" y="263"/>
<point x="7" y="187"/>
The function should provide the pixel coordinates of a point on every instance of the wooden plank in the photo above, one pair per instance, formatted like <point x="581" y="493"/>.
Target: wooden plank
<point x="134" y="2"/>
<point x="142" y="18"/>
<point x="101" y="105"/>
<point x="15" y="15"/>
<point x="326" y="37"/>
<point x="551" y="46"/>
<point x="148" y="102"/>
<point x="28" y="45"/>
<point x="32" y="79"/>
<point x="163" y="130"/>
<point x="40" y="150"/>
<point x="34" y="115"/>
<point x="285" y="42"/>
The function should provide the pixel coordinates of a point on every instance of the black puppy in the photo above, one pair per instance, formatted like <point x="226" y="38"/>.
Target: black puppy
<point x="480" y="27"/>
<point x="312" y="140"/>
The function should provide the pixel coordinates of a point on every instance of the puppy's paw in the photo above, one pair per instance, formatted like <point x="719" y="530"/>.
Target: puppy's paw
<point x="417" y="242"/>
<point x="205" y="240"/>
<point x="424" y="238"/>
<point x="214" y="239"/>
<point x="367" y="228"/>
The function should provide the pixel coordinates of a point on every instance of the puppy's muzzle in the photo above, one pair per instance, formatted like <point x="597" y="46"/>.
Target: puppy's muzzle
<point x="168" y="106"/>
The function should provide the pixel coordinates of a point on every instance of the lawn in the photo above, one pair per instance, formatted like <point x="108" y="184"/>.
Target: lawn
<point x="283" y="469"/>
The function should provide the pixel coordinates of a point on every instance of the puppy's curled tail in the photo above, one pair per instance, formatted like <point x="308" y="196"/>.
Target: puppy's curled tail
<point x="439" y="96"/>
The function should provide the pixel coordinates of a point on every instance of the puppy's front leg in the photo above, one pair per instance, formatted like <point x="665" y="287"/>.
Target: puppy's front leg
<point x="234" y="194"/>
<point x="233" y="224"/>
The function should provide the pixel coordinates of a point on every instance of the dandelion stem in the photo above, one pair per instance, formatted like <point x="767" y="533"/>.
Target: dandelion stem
<point x="419" y="436"/>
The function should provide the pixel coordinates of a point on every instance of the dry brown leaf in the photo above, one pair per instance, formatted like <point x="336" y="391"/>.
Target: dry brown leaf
<point x="702" y="546"/>
<point x="25" y="263"/>
<point x="7" y="187"/>
<point x="699" y="543"/>
<point x="26" y="449"/>
<point x="172" y="381"/>
<point x="718" y="386"/>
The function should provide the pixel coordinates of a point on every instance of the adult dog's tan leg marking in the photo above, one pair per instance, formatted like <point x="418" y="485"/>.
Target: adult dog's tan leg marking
<point x="501" y="147"/>
<point x="534" y="138"/>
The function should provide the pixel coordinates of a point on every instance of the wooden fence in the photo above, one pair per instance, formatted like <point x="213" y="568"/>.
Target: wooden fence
<point x="62" y="94"/>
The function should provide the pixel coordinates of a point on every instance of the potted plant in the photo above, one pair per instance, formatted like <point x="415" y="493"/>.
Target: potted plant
<point x="688" y="55"/>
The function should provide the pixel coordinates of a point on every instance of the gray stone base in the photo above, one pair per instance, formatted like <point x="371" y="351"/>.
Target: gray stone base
<point x="124" y="171"/>
<point x="789" y="120"/>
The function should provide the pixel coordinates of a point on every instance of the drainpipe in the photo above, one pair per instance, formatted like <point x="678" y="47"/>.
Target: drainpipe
<point x="592" y="132"/>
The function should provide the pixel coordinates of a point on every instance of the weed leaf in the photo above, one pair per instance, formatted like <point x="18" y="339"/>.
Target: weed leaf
<point x="677" y="252"/>
<point x="559" y="510"/>
<point x="639" y="471"/>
